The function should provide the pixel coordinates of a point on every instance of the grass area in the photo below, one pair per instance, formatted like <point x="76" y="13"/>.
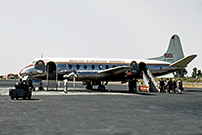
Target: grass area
<point x="190" y="79"/>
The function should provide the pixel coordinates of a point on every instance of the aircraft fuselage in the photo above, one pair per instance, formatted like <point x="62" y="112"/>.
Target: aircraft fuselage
<point x="95" y="69"/>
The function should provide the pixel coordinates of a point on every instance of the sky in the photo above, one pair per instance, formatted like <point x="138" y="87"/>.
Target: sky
<point x="96" y="29"/>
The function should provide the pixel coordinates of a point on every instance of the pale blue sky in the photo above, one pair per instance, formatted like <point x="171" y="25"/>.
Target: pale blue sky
<point x="96" y="29"/>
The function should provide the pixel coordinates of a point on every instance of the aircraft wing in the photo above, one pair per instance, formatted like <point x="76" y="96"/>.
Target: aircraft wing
<point x="183" y="62"/>
<point x="116" y="70"/>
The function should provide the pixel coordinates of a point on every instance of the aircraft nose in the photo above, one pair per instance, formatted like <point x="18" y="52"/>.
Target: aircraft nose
<point x="20" y="73"/>
<point x="26" y="70"/>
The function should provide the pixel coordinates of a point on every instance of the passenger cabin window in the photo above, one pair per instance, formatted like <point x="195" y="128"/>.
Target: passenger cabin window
<point x="100" y="66"/>
<point x="107" y="66"/>
<point x="85" y="66"/>
<point x="114" y="66"/>
<point x="70" y="66"/>
<point x="77" y="66"/>
<point x="93" y="66"/>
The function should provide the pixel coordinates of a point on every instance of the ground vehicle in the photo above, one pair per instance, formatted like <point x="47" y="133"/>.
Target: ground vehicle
<point x="22" y="91"/>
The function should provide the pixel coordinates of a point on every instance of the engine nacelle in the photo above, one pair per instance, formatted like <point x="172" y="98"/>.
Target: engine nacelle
<point x="40" y="66"/>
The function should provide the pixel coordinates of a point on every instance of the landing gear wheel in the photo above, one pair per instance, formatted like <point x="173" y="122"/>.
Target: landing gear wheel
<point x="101" y="87"/>
<point x="89" y="87"/>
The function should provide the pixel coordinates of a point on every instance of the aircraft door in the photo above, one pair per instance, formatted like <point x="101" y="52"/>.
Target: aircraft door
<point x="142" y="67"/>
<point x="51" y="68"/>
<point x="134" y="66"/>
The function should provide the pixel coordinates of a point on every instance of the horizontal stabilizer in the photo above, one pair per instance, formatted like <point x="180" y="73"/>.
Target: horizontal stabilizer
<point x="183" y="62"/>
<point x="116" y="70"/>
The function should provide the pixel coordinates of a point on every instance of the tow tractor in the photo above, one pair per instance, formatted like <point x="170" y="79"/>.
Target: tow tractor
<point x="23" y="90"/>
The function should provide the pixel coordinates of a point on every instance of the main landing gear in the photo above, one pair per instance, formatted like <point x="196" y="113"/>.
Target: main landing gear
<point x="101" y="86"/>
<point x="89" y="87"/>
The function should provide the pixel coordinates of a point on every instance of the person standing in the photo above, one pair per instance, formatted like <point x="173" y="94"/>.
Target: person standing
<point x="174" y="86"/>
<point x="20" y="82"/>
<point x="65" y="85"/>
<point x="133" y="85"/>
<point x="179" y="86"/>
<point x="166" y="86"/>
<point x="162" y="84"/>
<point x="169" y="85"/>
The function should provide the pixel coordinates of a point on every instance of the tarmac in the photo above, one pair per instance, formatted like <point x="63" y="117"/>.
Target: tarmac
<point x="111" y="112"/>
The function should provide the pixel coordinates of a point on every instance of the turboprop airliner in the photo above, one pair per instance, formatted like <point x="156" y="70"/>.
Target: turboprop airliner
<point x="97" y="71"/>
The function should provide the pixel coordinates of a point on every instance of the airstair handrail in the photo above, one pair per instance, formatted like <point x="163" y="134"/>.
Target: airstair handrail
<point x="145" y="79"/>
<point x="152" y="79"/>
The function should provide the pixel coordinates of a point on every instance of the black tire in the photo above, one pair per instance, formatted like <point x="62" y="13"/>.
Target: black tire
<point x="101" y="87"/>
<point x="89" y="87"/>
<point x="17" y="97"/>
<point x="12" y="98"/>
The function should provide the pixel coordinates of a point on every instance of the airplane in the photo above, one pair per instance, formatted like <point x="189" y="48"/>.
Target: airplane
<point x="97" y="71"/>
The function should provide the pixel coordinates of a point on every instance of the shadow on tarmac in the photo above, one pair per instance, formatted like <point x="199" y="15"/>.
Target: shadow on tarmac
<point x="193" y="91"/>
<point x="20" y="99"/>
<point x="121" y="91"/>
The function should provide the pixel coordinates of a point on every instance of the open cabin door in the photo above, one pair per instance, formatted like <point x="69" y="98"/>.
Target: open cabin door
<point x="52" y="76"/>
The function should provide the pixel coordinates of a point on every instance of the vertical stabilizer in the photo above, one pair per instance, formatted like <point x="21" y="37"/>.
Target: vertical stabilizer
<point x="174" y="51"/>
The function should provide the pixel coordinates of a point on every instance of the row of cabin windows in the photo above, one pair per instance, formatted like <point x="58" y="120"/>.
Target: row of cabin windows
<point x="92" y="66"/>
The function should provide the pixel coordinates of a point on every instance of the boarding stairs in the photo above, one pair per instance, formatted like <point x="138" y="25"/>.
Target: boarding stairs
<point x="149" y="80"/>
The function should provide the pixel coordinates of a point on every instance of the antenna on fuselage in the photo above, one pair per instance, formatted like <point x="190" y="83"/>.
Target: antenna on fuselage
<point x="41" y="55"/>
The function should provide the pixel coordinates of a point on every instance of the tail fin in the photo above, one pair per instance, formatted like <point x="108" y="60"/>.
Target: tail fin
<point x="174" y="51"/>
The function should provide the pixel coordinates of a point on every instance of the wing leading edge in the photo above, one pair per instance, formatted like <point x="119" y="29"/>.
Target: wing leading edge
<point x="115" y="70"/>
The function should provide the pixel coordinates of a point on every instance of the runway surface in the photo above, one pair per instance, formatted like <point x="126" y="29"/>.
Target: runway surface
<point x="116" y="112"/>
